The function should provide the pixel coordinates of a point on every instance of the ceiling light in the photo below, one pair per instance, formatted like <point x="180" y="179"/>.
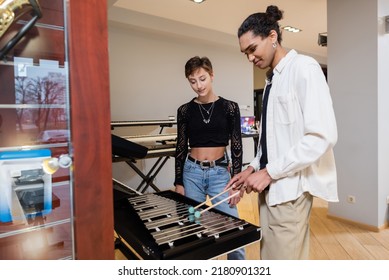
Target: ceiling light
<point x="198" y="1"/>
<point x="291" y="29"/>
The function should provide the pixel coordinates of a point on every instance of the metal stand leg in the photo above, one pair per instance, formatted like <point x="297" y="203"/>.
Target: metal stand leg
<point x="149" y="177"/>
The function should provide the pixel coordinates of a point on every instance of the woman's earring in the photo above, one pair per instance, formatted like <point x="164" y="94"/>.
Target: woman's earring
<point x="274" y="45"/>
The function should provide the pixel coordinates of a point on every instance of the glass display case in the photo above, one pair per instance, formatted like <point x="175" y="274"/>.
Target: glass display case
<point x="36" y="220"/>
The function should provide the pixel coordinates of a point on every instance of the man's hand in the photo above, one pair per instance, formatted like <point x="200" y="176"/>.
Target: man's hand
<point x="238" y="181"/>
<point x="258" y="181"/>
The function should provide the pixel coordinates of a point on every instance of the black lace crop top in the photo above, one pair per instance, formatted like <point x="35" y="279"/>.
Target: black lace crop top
<point x="223" y="126"/>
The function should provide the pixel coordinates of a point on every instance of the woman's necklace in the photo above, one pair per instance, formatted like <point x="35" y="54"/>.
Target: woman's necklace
<point x="210" y="108"/>
<point x="209" y="112"/>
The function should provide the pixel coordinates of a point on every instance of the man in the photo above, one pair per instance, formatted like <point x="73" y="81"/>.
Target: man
<point x="295" y="160"/>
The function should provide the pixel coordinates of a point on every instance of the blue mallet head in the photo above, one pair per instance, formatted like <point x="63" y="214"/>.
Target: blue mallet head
<point x="197" y="214"/>
<point x="191" y="210"/>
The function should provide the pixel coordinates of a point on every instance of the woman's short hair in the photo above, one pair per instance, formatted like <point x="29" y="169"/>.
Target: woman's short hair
<point x="197" y="62"/>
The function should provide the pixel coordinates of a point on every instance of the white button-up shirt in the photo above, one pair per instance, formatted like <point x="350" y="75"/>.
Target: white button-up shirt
<point x="301" y="132"/>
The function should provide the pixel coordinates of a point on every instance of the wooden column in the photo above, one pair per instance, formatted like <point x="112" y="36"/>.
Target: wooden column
<point x="90" y="129"/>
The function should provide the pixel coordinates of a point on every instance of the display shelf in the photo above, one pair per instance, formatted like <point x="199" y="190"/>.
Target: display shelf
<point x="36" y="219"/>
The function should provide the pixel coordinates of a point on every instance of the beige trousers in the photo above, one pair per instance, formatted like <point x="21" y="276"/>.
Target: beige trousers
<point x="285" y="228"/>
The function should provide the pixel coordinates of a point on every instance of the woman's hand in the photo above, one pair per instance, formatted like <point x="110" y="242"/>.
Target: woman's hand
<point x="180" y="189"/>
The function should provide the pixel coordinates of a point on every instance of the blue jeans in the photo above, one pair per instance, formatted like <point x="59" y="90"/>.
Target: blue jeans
<point x="199" y="183"/>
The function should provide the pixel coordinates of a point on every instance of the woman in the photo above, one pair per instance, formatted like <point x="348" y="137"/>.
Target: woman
<point x="208" y="123"/>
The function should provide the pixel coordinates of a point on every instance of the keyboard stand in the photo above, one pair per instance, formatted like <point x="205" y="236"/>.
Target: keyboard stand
<point x="147" y="179"/>
<point x="162" y="150"/>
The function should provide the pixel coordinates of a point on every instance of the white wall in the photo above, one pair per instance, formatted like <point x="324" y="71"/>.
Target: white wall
<point x="148" y="83"/>
<point x="358" y="58"/>
<point x="383" y="112"/>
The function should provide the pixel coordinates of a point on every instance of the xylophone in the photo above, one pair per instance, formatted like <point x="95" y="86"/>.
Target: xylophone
<point x="159" y="226"/>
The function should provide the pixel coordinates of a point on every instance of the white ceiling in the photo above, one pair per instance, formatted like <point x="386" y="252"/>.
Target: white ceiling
<point x="225" y="16"/>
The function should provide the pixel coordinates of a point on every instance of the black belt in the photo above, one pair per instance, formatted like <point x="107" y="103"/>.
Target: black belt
<point x="209" y="163"/>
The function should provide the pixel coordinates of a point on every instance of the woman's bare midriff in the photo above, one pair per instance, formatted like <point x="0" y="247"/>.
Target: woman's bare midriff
<point x="209" y="153"/>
